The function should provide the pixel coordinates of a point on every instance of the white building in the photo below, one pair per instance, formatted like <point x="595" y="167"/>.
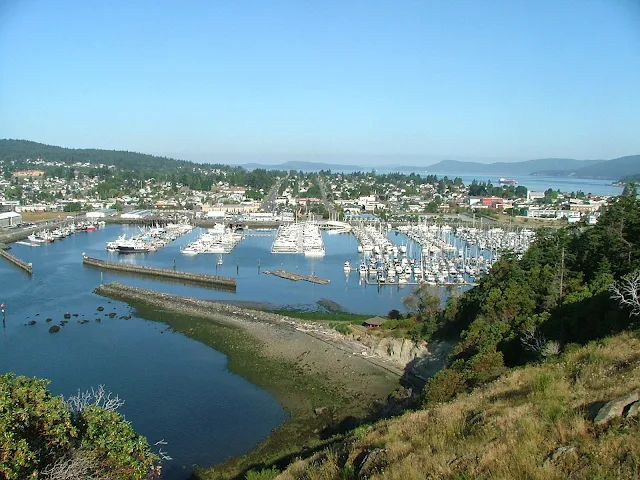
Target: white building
<point x="105" y="212"/>
<point x="532" y="195"/>
<point x="9" y="219"/>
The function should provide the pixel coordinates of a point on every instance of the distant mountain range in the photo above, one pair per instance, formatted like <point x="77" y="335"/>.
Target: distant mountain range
<point x="615" y="169"/>
<point x="528" y="167"/>
<point x="305" y="167"/>
<point x="610" y="170"/>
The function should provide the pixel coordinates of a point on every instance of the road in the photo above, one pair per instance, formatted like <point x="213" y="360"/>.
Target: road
<point x="328" y="204"/>
<point x="269" y="202"/>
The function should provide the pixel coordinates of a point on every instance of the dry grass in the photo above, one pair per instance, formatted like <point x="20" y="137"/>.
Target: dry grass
<point x="37" y="216"/>
<point x="508" y="429"/>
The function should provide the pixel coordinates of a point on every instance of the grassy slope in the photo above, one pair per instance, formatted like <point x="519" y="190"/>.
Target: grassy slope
<point x="505" y="430"/>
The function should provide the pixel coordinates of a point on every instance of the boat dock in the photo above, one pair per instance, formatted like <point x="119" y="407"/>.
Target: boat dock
<point x="297" y="276"/>
<point x="199" y="278"/>
<point x="396" y="283"/>
<point x="27" y="267"/>
<point x="299" y="238"/>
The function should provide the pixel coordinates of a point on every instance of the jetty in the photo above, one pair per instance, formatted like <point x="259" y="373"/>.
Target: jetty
<point x="215" y="281"/>
<point x="27" y="267"/>
<point x="298" y="276"/>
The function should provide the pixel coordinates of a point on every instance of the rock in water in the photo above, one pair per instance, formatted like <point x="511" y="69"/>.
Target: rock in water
<point x="54" y="329"/>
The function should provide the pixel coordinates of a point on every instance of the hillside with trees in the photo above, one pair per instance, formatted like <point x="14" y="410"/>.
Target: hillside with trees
<point x="129" y="168"/>
<point x="547" y="349"/>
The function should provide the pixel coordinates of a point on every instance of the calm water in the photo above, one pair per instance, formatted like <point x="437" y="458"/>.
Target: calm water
<point x="242" y="264"/>
<point x="535" y="183"/>
<point x="175" y="388"/>
<point x="541" y="183"/>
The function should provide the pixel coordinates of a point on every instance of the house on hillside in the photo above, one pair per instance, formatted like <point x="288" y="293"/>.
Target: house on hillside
<point x="374" y="322"/>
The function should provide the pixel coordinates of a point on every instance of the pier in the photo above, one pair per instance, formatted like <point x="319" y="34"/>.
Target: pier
<point x="27" y="267"/>
<point x="199" y="278"/>
<point x="298" y="276"/>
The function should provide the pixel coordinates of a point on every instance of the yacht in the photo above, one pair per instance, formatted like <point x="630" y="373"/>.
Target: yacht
<point x="132" y="246"/>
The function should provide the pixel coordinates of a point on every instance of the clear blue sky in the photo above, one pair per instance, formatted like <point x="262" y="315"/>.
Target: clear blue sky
<point x="207" y="80"/>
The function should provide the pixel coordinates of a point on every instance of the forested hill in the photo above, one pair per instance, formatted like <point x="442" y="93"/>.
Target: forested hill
<point x="23" y="149"/>
<point x="132" y="166"/>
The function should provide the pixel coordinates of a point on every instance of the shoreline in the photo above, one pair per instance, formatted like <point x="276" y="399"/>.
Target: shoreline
<point x="320" y="378"/>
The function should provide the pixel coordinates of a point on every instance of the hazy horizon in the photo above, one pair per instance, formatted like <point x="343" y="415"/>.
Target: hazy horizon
<point x="412" y="81"/>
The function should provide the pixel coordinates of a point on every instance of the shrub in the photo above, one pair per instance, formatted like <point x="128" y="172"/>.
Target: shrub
<point x="41" y="433"/>
<point x="342" y="328"/>
<point x="264" y="474"/>
<point x="484" y="367"/>
<point x="444" y="386"/>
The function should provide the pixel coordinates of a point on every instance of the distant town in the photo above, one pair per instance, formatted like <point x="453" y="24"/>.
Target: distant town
<point x="30" y="186"/>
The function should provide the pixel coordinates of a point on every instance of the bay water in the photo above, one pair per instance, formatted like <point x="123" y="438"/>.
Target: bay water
<point x="175" y="388"/>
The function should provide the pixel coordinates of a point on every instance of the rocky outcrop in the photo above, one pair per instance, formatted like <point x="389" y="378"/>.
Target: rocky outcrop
<point x="421" y="358"/>
<point x="618" y="407"/>
<point x="400" y="351"/>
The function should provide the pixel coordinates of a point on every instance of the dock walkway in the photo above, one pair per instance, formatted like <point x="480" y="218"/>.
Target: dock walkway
<point x="298" y="276"/>
<point x="27" y="267"/>
<point x="200" y="278"/>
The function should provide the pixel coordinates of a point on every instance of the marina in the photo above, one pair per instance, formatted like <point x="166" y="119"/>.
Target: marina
<point x="299" y="238"/>
<point x="149" y="240"/>
<point x="220" y="239"/>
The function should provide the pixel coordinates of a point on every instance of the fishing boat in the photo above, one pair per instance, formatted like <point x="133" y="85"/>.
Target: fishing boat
<point x="132" y="246"/>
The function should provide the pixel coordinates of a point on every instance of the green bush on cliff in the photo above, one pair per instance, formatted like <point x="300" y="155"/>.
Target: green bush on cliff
<point x="41" y="436"/>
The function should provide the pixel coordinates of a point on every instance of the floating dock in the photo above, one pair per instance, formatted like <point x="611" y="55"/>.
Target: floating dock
<point x="16" y="261"/>
<point x="200" y="278"/>
<point x="396" y="283"/>
<point x="297" y="276"/>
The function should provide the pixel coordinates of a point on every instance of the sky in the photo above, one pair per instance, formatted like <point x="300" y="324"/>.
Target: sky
<point x="344" y="81"/>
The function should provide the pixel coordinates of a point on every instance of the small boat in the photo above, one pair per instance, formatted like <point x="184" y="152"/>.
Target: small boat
<point x="347" y="265"/>
<point x="33" y="238"/>
<point x="27" y="244"/>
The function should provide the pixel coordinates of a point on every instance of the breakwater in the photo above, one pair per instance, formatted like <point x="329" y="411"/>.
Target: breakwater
<point x="298" y="276"/>
<point x="216" y="281"/>
<point x="16" y="261"/>
<point x="246" y="318"/>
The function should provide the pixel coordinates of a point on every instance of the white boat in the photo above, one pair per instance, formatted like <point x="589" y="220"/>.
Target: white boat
<point x="189" y="250"/>
<point x="33" y="238"/>
<point x="347" y="265"/>
<point x="27" y="244"/>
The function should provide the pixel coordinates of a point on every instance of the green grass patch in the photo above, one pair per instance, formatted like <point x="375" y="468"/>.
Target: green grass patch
<point x="324" y="316"/>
